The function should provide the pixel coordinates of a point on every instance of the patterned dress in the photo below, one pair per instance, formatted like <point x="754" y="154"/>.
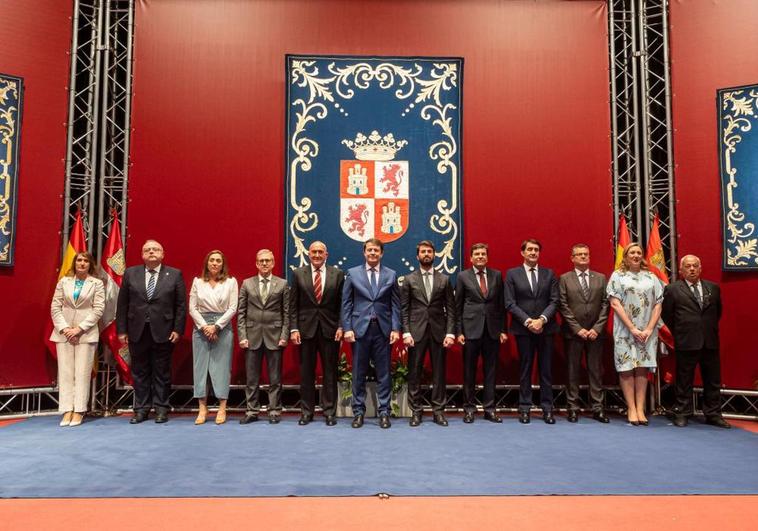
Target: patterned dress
<point x="638" y="293"/>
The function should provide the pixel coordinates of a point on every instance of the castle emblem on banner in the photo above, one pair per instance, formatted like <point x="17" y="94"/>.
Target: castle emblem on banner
<point x="374" y="199"/>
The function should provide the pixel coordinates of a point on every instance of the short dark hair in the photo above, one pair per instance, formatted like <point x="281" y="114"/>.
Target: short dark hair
<point x="479" y="246"/>
<point x="532" y="241"/>
<point x="425" y="243"/>
<point x="579" y="246"/>
<point x="374" y="241"/>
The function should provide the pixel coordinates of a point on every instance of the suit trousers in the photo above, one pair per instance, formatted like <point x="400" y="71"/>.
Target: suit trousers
<point x="74" y="375"/>
<point x="328" y="349"/>
<point x="416" y="355"/>
<point x="374" y="345"/>
<point x="151" y="371"/>
<point x="710" y="370"/>
<point x="253" y="367"/>
<point x="542" y="345"/>
<point x="489" y="349"/>
<point x="594" y="350"/>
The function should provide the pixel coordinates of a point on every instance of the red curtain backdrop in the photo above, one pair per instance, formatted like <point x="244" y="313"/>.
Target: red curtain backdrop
<point x="713" y="45"/>
<point x="208" y="118"/>
<point x="35" y="45"/>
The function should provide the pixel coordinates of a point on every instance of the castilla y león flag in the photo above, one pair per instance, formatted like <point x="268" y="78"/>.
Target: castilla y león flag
<point x="112" y="264"/>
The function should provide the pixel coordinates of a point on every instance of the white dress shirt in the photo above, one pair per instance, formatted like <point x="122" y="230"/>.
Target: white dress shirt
<point x="157" y="270"/>
<point x="221" y="298"/>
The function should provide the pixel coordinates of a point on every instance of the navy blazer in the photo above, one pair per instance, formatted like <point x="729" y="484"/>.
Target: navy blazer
<point x="523" y="304"/>
<point x="358" y="301"/>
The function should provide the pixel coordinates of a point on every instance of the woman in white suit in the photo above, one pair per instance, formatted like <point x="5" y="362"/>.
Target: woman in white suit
<point x="77" y="306"/>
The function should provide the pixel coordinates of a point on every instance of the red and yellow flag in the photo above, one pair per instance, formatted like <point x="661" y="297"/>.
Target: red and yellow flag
<point x="623" y="240"/>
<point x="654" y="255"/>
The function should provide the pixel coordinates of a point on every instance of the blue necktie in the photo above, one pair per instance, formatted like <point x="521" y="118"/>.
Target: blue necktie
<point x="372" y="276"/>
<point x="151" y="284"/>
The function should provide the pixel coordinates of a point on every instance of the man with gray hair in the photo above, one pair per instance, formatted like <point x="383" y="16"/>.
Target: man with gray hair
<point x="691" y="310"/>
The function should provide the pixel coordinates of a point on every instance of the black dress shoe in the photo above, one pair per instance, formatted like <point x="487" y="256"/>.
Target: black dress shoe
<point x="679" y="421"/>
<point x="384" y="421"/>
<point x="573" y="416"/>
<point x="548" y="417"/>
<point x="439" y="419"/>
<point x="274" y="419"/>
<point x="304" y="419"/>
<point x="600" y="417"/>
<point x="644" y="422"/>
<point x="330" y="420"/>
<point x="468" y="417"/>
<point x="247" y="419"/>
<point x="492" y="417"/>
<point x="161" y="418"/>
<point x="415" y="419"/>
<point x="523" y="417"/>
<point x="139" y="416"/>
<point x="357" y="421"/>
<point x="719" y="422"/>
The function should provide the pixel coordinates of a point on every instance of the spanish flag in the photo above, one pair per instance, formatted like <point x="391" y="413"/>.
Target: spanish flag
<point x="623" y="240"/>
<point x="654" y="255"/>
<point x="77" y="243"/>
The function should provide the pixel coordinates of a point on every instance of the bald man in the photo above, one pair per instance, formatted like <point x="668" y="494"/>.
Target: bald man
<point x="691" y="310"/>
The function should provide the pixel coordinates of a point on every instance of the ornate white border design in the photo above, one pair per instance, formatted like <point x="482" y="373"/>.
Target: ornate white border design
<point x="423" y="93"/>
<point x="737" y="108"/>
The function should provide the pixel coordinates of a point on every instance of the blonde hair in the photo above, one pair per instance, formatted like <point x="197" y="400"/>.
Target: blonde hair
<point x="643" y="263"/>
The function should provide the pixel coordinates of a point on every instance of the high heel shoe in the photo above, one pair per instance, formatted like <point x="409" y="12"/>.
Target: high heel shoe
<point x="76" y="419"/>
<point x="66" y="420"/>
<point x="221" y="416"/>
<point x="202" y="414"/>
<point x="644" y="422"/>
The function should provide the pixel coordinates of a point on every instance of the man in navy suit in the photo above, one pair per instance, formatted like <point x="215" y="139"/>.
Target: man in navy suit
<point x="531" y="297"/>
<point x="150" y="316"/>
<point x="371" y="322"/>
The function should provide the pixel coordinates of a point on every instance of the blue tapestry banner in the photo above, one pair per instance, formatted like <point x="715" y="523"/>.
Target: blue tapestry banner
<point x="738" y="154"/>
<point x="10" y="132"/>
<point x="374" y="151"/>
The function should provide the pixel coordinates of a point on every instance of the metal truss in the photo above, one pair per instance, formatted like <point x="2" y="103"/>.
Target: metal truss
<point x="641" y="119"/>
<point x="27" y="402"/>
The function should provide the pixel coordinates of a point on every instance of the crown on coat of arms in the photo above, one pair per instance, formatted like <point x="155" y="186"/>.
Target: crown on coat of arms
<point x="375" y="146"/>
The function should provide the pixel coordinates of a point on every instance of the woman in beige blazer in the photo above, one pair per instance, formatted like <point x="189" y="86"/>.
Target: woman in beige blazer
<point x="77" y="306"/>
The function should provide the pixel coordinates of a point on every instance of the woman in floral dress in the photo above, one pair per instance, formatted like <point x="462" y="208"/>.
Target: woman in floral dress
<point x="635" y="295"/>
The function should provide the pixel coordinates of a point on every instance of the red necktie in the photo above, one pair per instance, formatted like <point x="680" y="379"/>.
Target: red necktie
<point x="482" y="283"/>
<point x="317" y="286"/>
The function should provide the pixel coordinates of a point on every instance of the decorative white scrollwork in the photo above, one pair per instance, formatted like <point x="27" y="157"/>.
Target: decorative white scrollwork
<point x="410" y="83"/>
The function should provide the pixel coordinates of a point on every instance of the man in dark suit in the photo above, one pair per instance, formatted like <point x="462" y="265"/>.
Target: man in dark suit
<point x="531" y="296"/>
<point x="481" y="329"/>
<point x="692" y="309"/>
<point x="371" y="321"/>
<point x="584" y="307"/>
<point x="428" y="308"/>
<point x="151" y="313"/>
<point x="315" y="303"/>
<point x="263" y="328"/>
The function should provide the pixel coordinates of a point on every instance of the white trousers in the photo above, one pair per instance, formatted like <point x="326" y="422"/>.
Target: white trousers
<point x="74" y="375"/>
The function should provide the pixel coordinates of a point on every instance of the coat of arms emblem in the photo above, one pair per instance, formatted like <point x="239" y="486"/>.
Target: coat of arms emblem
<point x="374" y="199"/>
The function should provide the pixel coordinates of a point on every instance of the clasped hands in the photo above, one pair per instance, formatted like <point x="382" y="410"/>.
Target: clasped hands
<point x="641" y="335"/>
<point x="587" y="335"/>
<point x="72" y="334"/>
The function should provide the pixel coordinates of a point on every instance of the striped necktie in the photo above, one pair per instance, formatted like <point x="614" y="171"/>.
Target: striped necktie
<point x="151" y="283"/>
<point x="317" y="289"/>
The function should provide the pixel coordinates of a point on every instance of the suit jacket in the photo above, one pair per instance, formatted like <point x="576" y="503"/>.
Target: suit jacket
<point x="359" y="302"/>
<point x="167" y="309"/>
<point x="263" y="324"/>
<point x="476" y="313"/>
<point x="305" y="313"/>
<point x="578" y="311"/>
<point x="84" y="312"/>
<point x="693" y="328"/>
<point x="418" y="313"/>
<point x="523" y="304"/>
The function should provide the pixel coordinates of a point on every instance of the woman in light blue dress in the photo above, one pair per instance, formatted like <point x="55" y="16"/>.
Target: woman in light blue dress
<point x="635" y="295"/>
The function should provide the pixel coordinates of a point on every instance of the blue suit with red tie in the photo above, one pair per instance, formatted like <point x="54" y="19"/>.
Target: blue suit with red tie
<point x="371" y="310"/>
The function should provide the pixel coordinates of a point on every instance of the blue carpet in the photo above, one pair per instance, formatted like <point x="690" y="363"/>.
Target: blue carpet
<point x="110" y="458"/>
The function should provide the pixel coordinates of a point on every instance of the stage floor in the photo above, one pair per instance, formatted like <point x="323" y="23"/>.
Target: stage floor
<point x="110" y="458"/>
